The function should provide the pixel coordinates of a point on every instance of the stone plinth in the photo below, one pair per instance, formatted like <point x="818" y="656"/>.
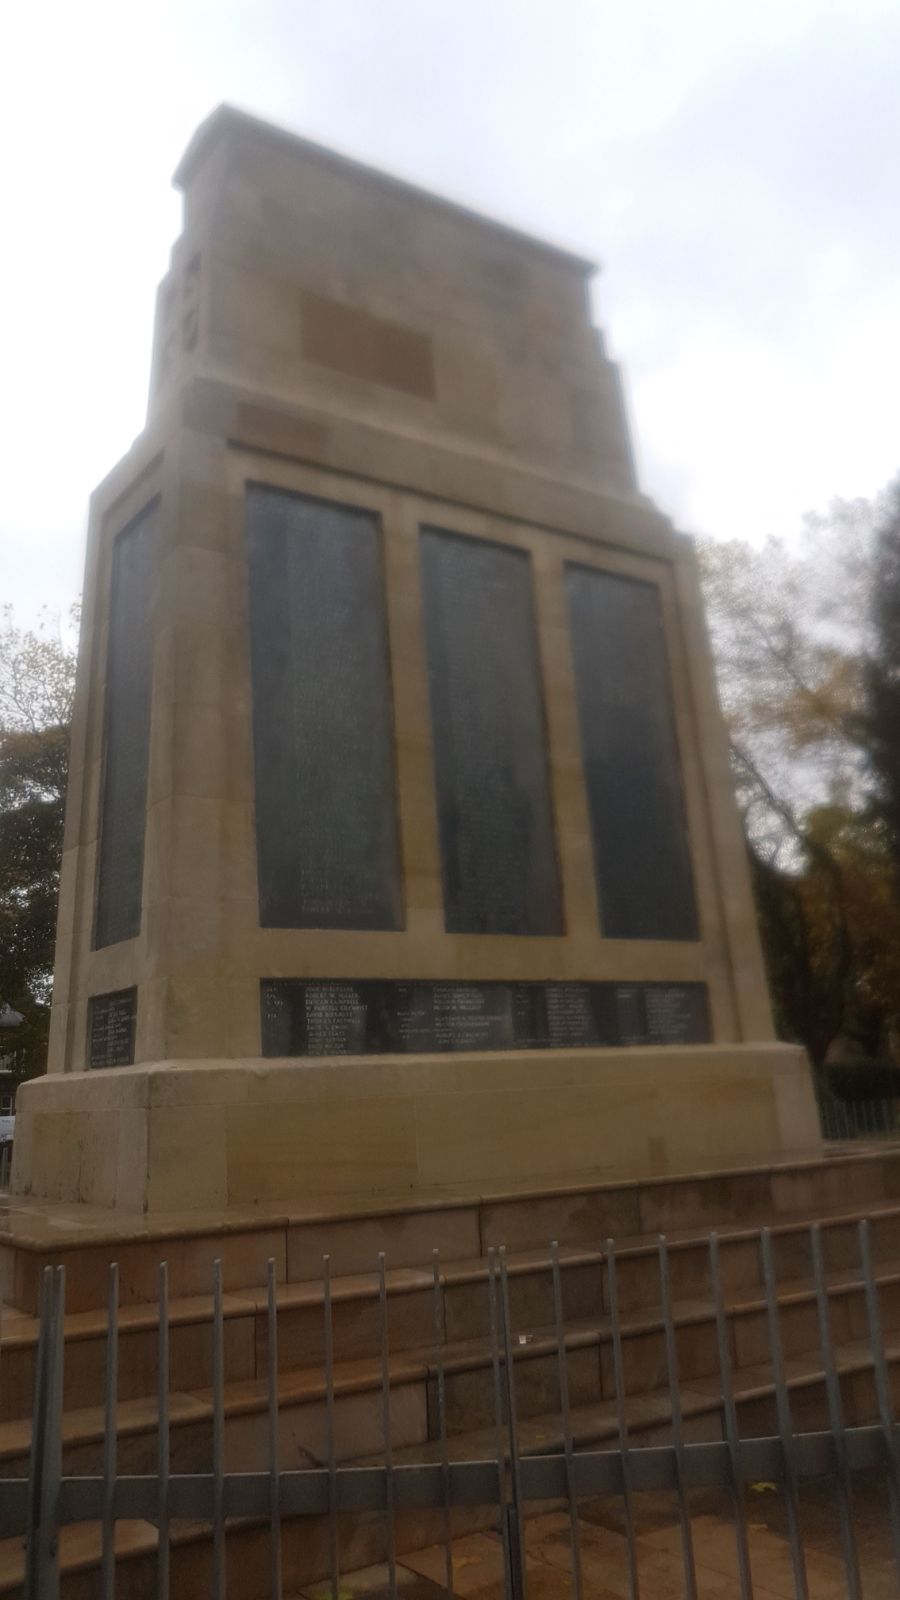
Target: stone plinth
<point x="188" y="1136"/>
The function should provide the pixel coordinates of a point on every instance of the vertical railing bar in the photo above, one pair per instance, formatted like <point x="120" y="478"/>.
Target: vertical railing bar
<point x="785" y="1425"/>
<point x="612" y="1285"/>
<point x="517" y="1550"/>
<point x="568" y="1444"/>
<point x="502" y="1497"/>
<point x="110" y="1435"/>
<point x="47" y="1587"/>
<point x="38" y="1438"/>
<point x="218" y="1353"/>
<point x="731" y="1424"/>
<point x="330" y="1446"/>
<point x="386" y="1428"/>
<point x="684" y="1512"/>
<point x="835" y="1418"/>
<point x="439" y="1334"/>
<point x="882" y="1386"/>
<point x="162" y="1416"/>
<point x="272" y="1410"/>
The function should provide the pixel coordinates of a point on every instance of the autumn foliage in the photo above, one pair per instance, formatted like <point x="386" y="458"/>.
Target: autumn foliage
<point x="807" y="644"/>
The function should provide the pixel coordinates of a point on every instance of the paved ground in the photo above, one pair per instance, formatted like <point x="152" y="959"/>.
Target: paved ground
<point x="478" y="1558"/>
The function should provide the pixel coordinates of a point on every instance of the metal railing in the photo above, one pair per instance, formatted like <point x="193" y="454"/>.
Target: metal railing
<point x="506" y="1479"/>
<point x="856" y="1119"/>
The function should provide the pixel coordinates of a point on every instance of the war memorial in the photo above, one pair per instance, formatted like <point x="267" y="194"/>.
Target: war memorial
<point x="408" y="984"/>
<point x="400" y="850"/>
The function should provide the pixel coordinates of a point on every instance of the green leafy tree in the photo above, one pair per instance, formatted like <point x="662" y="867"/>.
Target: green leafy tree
<point x="37" y="672"/>
<point x="884" y="675"/>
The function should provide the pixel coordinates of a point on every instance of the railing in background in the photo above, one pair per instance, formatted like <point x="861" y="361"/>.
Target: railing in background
<point x="856" y="1119"/>
<point x="506" y="1479"/>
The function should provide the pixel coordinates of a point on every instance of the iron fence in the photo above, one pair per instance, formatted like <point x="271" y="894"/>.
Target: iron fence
<point x="856" y="1119"/>
<point x="507" y="1479"/>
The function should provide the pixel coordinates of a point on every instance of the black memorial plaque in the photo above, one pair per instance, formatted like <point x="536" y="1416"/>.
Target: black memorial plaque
<point x="340" y="1017"/>
<point x="630" y="1022"/>
<point x="111" y="1025"/>
<point x="326" y="809"/>
<point x="473" y="1016"/>
<point x="495" y="816"/>
<point x="675" y="1012"/>
<point x="630" y="757"/>
<point x="571" y="1016"/>
<point x="127" y="735"/>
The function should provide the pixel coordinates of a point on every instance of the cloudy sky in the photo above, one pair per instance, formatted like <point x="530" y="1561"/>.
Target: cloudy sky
<point x="735" y="169"/>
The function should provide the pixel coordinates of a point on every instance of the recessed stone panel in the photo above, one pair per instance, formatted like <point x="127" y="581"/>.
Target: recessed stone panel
<point x="338" y="1017"/>
<point x="630" y="757"/>
<point x="351" y="340"/>
<point x="498" y="851"/>
<point x="326" y="809"/>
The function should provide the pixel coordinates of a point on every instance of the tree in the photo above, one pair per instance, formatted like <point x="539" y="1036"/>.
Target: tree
<point x="883" y="677"/>
<point x="37" y="672"/>
<point x="791" y="636"/>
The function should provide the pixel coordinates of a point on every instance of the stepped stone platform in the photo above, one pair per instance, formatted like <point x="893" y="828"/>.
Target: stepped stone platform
<point x="837" y="1191"/>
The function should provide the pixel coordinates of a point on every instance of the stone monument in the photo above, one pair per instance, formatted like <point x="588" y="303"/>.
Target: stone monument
<point x="401" y="854"/>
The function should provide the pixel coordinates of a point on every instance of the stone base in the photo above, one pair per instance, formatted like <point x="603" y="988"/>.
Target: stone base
<point x="203" y="1135"/>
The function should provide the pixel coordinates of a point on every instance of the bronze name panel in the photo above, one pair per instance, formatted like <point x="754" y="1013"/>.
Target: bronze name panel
<point x="323" y="742"/>
<point x="498" y="852"/>
<point x="341" y="1017"/>
<point x="630" y="757"/>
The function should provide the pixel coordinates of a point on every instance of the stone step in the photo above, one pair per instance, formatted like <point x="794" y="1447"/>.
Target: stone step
<point x="648" y="1415"/>
<point x="304" y="1553"/>
<point x="362" y="1538"/>
<point x="410" y="1294"/>
<point x="462" y="1227"/>
<point x="468" y="1381"/>
<point x="80" y="1547"/>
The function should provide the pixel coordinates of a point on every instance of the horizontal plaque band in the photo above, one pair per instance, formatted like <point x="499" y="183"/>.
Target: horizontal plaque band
<point x="340" y="1017"/>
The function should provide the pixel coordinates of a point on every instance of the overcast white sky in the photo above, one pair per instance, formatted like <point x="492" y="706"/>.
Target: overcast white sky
<point x="735" y="168"/>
